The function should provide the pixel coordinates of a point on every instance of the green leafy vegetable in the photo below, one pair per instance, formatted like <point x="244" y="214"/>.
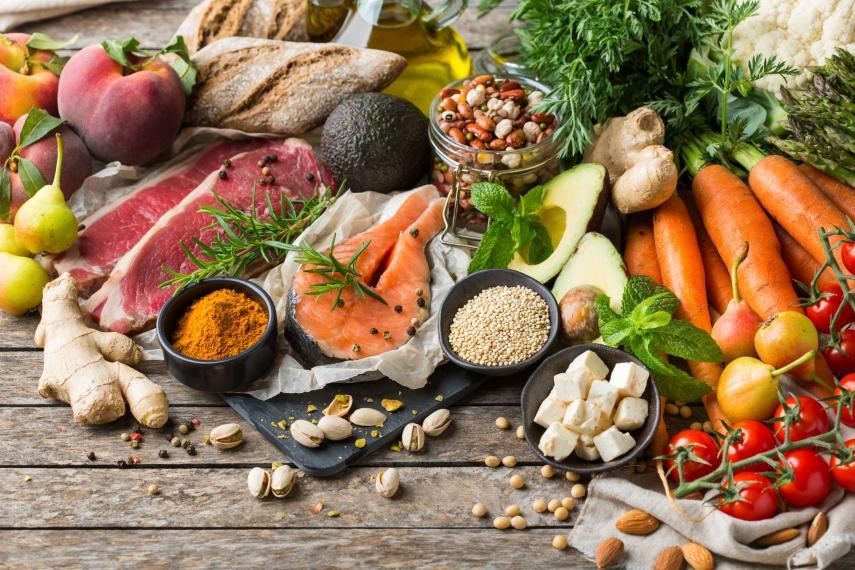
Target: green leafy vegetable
<point x="647" y="328"/>
<point x="123" y="52"/>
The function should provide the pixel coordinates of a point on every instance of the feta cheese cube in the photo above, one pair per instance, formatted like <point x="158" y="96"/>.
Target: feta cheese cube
<point x="613" y="443"/>
<point x="572" y="385"/>
<point x="603" y="394"/>
<point x="587" y="451"/>
<point x="592" y="364"/>
<point x="550" y="411"/>
<point x="595" y="420"/>
<point x="575" y="415"/>
<point x="631" y="413"/>
<point x="629" y="379"/>
<point x="558" y="442"/>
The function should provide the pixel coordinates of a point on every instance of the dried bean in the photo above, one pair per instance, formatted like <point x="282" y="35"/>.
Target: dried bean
<point x="515" y="94"/>
<point x="485" y="123"/>
<point x="508" y="85"/>
<point x="481" y="134"/>
<point x="457" y="135"/>
<point x="465" y="110"/>
<point x="448" y="92"/>
<point x="449" y="104"/>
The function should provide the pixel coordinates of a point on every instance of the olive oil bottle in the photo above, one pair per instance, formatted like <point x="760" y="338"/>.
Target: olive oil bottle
<point x="436" y="54"/>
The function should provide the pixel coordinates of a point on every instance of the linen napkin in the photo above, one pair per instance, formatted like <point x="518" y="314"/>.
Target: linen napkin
<point x="611" y="495"/>
<point x="16" y="12"/>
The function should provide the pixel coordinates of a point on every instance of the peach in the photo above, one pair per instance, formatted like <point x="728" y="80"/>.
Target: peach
<point x="127" y="114"/>
<point x="25" y="83"/>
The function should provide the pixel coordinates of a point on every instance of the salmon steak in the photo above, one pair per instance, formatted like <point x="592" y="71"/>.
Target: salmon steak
<point x="394" y="265"/>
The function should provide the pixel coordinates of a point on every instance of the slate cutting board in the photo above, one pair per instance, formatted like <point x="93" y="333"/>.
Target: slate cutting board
<point x="448" y="385"/>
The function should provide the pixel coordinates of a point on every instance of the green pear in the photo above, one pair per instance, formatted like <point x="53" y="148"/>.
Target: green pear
<point x="45" y="223"/>
<point x="9" y="243"/>
<point x="21" y="282"/>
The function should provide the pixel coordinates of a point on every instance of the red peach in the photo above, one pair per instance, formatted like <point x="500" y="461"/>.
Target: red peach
<point x="25" y="83"/>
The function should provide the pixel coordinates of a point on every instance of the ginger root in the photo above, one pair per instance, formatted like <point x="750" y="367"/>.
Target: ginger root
<point x="90" y="369"/>
<point x="641" y="169"/>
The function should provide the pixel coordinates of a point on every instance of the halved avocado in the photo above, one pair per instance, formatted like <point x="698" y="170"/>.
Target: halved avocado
<point x="574" y="203"/>
<point x="597" y="263"/>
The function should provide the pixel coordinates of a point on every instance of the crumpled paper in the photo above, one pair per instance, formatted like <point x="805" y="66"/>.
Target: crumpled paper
<point x="611" y="495"/>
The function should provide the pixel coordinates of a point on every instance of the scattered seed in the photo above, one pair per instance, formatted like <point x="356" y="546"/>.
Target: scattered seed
<point x="517" y="481"/>
<point x="512" y="510"/>
<point x="697" y="425"/>
<point x="479" y="510"/>
<point x="492" y="461"/>
<point x="559" y="542"/>
<point x="266" y="170"/>
<point x="685" y="412"/>
<point x="398" y="308"/>
<point x="561" y="514"/>
<point x="91" y="456"/>
<point x="672" y="409"/>
<point x="191" y="450"/>
<point x="183" y="429"/>
<point x="227" y="163"/>
<point x="520" y="433"/>
<point x="411" y="331"/>
<point x="540" y="506"/>
<point x="28" y="478"/>
<point x="334" y="514"/>
<point x="502" y="423"/>
<point x="125" y="437"/>
<point x="421" y="301"/>
<point x="271" y="180"/>
<point x="414" y="232"/>
<point x="419" y="292"/>
<point x="121" y="463"/>
<point x="175" y="442"/>
<point x="509" y="461"/>
<point x="134" y="444"/>
<point x="153" y="489"/>
<point x="553" y="505"/>
<point x="222" y="174"/>
<point x="708" y="426"/>
<point x="572" y="476"/>
<point x="372" y="330"/>
<point x="568" y="503"/>
<point x="360" y="443"/>
<point x="163" y="454"/>
<point x="501" y="523"/>
<point x="519" y="523"/>
<point x="387" y="335"/>
<point x="578" y="491"/>
<point x="547" y="471"/>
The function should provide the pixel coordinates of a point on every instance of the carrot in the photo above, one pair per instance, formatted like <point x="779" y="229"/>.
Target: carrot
<point x="683" y="273"/>
<point x="716" y="275"/>
<point x="800" y="263"/>
<point x="796" y="203"/>
<point x="732" y="216"/>
<point x="639" y="253"/>
<point x="838" y="192"/>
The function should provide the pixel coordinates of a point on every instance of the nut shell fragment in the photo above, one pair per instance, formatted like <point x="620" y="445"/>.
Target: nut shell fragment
<point x="340" y="406"/>
<point x="306" y="433"/>
<point x="335" y="428"/>
<point x="436" y="423"/>
<point x="387" y="482"/>
<point x="258" y="482"/>
<point x="367" y="417"/>
<point x="226" y="436"/>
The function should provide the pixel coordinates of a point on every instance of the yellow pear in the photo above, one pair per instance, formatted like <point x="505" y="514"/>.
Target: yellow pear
<point x="45" y="223"/>
<point x="21" y="282"/>
<point x="9" y="243"/>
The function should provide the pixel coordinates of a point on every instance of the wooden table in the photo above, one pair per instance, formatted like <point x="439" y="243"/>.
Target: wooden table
<point x="62" y="509"/>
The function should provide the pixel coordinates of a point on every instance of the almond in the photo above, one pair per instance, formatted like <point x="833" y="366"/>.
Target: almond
<point x="817" y="528"/>
<point x="636" y="522"/>
<point x="778" y="537"/>
<point x="697" y="556"/>
<point x="669" y="559"/>
<point x="609" y="552"/>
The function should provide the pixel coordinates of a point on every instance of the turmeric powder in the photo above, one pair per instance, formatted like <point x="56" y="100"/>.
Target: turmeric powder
<point x="219" y="325"/>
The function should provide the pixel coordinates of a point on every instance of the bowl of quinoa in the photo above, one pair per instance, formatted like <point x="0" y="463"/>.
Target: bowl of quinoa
<point x="497" y="322"/>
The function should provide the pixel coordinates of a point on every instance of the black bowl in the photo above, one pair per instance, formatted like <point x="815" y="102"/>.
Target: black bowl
<point x="541" y="382"/>
<point x="471" y="285"/>
<point x="226" y="374"/>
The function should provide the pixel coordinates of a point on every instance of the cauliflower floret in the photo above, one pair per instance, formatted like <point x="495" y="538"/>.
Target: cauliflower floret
<point x="801" y="32"/>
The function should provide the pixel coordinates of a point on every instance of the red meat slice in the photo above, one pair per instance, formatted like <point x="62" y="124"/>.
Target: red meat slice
<point x="131" y="297"/>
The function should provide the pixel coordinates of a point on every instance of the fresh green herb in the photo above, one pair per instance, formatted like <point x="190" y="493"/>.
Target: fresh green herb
<point x="336" y="275"/>
<point x="248" y="241"/>
<point x="647" y="328"/>
<point x="512" y="228"/>
<point x="126" y="52"/>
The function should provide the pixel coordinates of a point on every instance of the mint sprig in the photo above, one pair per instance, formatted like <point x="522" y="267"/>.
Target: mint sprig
<point x="122" y="52"/>
<point x="512" y="227"/>
<point x="647" y="329"/>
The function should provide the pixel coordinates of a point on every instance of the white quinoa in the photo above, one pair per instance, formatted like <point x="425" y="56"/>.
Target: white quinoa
<point x="500" y="326"/>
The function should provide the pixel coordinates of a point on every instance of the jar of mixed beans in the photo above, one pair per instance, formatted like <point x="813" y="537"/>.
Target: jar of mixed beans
<point x="483" y="129"/>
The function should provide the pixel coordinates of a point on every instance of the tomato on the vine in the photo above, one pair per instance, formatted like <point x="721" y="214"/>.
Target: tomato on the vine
<point x="755" y="438"/>
<point x="824" y="309"/>
<point x="702" y="445"/>
<point x="759" y="499"/>
<point x="811" y="421"/>
<point x="844" y="474"/>
<point x="812" y="480"/>
<point x="847" y="251"/>
<point x="847" y="414"/>
<point x="842" y="359"/>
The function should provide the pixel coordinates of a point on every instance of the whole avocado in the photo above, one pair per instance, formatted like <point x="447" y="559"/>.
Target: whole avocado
<point x="376" y="142"/>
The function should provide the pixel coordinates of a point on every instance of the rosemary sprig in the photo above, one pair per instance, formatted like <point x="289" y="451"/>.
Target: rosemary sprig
<point x="337" y="276"/>
<point x="248" y="240"/>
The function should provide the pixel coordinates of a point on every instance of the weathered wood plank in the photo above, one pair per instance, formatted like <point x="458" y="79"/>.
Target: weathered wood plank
<point x="217" y="498"/>
<point x="17" y="332"/>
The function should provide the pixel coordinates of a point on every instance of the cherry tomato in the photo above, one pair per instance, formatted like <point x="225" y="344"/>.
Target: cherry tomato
<point x="848" y="413"/>
<point x="813" y="419"/>
<point x="760" y="501"/>
<point x="844" y="474"/>
<point x="812" y="480"/>
<point x="822" y="312"/>
<point x="842" y="360"/>
<point x="703" y="445"/>
<point x="756" y="438"/>
<point x="848" y="252"/>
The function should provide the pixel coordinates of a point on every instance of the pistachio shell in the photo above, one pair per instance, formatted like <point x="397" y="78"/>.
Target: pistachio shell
<point x="413" y="437"/>
<point x="282" y="481"/>
<point x="387" y="482"/>
<point x="226" y="436"/>
<point x="340" y="406"/>
<point x="306" y="433"/>
<point x="436" y="423"/>
<point x="258" y="482"/>
<point x="335" y="428"/>
<point x="367" y="417"/>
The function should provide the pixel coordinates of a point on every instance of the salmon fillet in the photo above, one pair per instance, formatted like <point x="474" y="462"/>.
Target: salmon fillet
<point x="394" y="265"/>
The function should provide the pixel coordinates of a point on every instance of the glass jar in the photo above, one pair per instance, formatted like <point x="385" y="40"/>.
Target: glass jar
<point x="502" y="58"/>
<point x="458" y="164"/>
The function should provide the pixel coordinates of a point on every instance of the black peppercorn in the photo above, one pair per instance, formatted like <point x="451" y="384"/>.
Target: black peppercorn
<point x="414" y="232"/>
<point x="122" y="463"/>
<point x="310" y="177"/>
<point x="271" y="179"/>
<point x="398" y="308"/>
<point x="411" y="331"/>
<point x="191" y="450"/>
<point x="373" y="331"/>
<point x="227" y="163"/>
<point x="262" y="162"/>
<point x="271" y="158"/>
<point x="262" y="181"/>
<point x="222" y="174"/>
<point x="420" y="301"/>
<point x="163" y="454"/>
<point x="91" y="456"/>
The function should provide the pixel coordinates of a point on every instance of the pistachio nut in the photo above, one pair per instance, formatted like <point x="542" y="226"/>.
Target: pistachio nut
<point x="413" y="437"/>
<point x="258" y="482"/>
<point x="226" y="436"/>
<point x="340" y="406"/>
<point x="391" y="405"/>
<point x="367" y="417"/>
<point x="282" y="481"/>
<point x="387" y="482"/>
<point x="306" y="433"/>
<point x="436" y="423"/>
<point x="335" y="428"/>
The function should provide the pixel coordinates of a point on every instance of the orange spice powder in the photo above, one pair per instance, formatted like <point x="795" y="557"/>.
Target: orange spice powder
<point x="219" y="325"/>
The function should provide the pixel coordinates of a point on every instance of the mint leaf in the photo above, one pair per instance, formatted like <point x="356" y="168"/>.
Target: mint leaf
<point x="648" y="307"/>
<point x="683" y="339"/>
<point x="673" y="383"/>
<point x="495" y="249"/>
<point x="654" y="321"/>
<point x="492" y="199"/>
<point x="532" y="200"/>
<point x="36" y="126"/>
<point x="614" y="332"/>
<point x="640" y="287"/>
<point x="540" y="246"/>
<point x="520" y="232"/>
<point x="44" y="41"/>
<point x="118" y="50"/>
<point x="183" y="66"/>
<point x="30" y="176"/>
<point x="5" y="194"/>
<point x="605" y="313"/>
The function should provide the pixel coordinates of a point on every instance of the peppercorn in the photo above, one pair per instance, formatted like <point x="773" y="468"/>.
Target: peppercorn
<point x="419" y="292"/>
<point x="191" y="450"/>
<point x="122" y="463"/>
<point x="195" y="422"/>
<point x="310" y="177"/>
<point x="134" y="444"/>
<point x="163" y="454"/>
<point x="420" y="302"/>
<point x="262" y="181"/>
<point x="91" y="456"/>
<point x="356" y="347"/>
<point x="227" y="163"/>
<point x="398" y="308"/>
<point x="271" y="180"/>
<point x="387" y="335"/>
<point x="137" y="436"/>
<point x="262" y="162"/>
<point x="271" y="158"/>
<point x="175" y="442"/>
<point x="266" y="170"/>
<point x="222" y="174"/>
<point x="373" y="331"/>
<point x="125" y="437"/>
<point x="183" y="429"/>
<point x="414" y="232"/>
<point x="411" y="331"/>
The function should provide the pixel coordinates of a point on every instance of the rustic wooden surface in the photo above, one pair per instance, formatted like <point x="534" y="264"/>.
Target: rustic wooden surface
<point x="62" y="510"/>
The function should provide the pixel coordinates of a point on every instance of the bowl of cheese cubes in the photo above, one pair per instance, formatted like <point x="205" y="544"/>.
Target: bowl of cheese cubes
<point x="590" y="408"/>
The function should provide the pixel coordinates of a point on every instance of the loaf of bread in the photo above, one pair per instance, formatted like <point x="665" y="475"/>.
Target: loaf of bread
<point x="269" y="86"/>
<point x="268" y="19"/>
